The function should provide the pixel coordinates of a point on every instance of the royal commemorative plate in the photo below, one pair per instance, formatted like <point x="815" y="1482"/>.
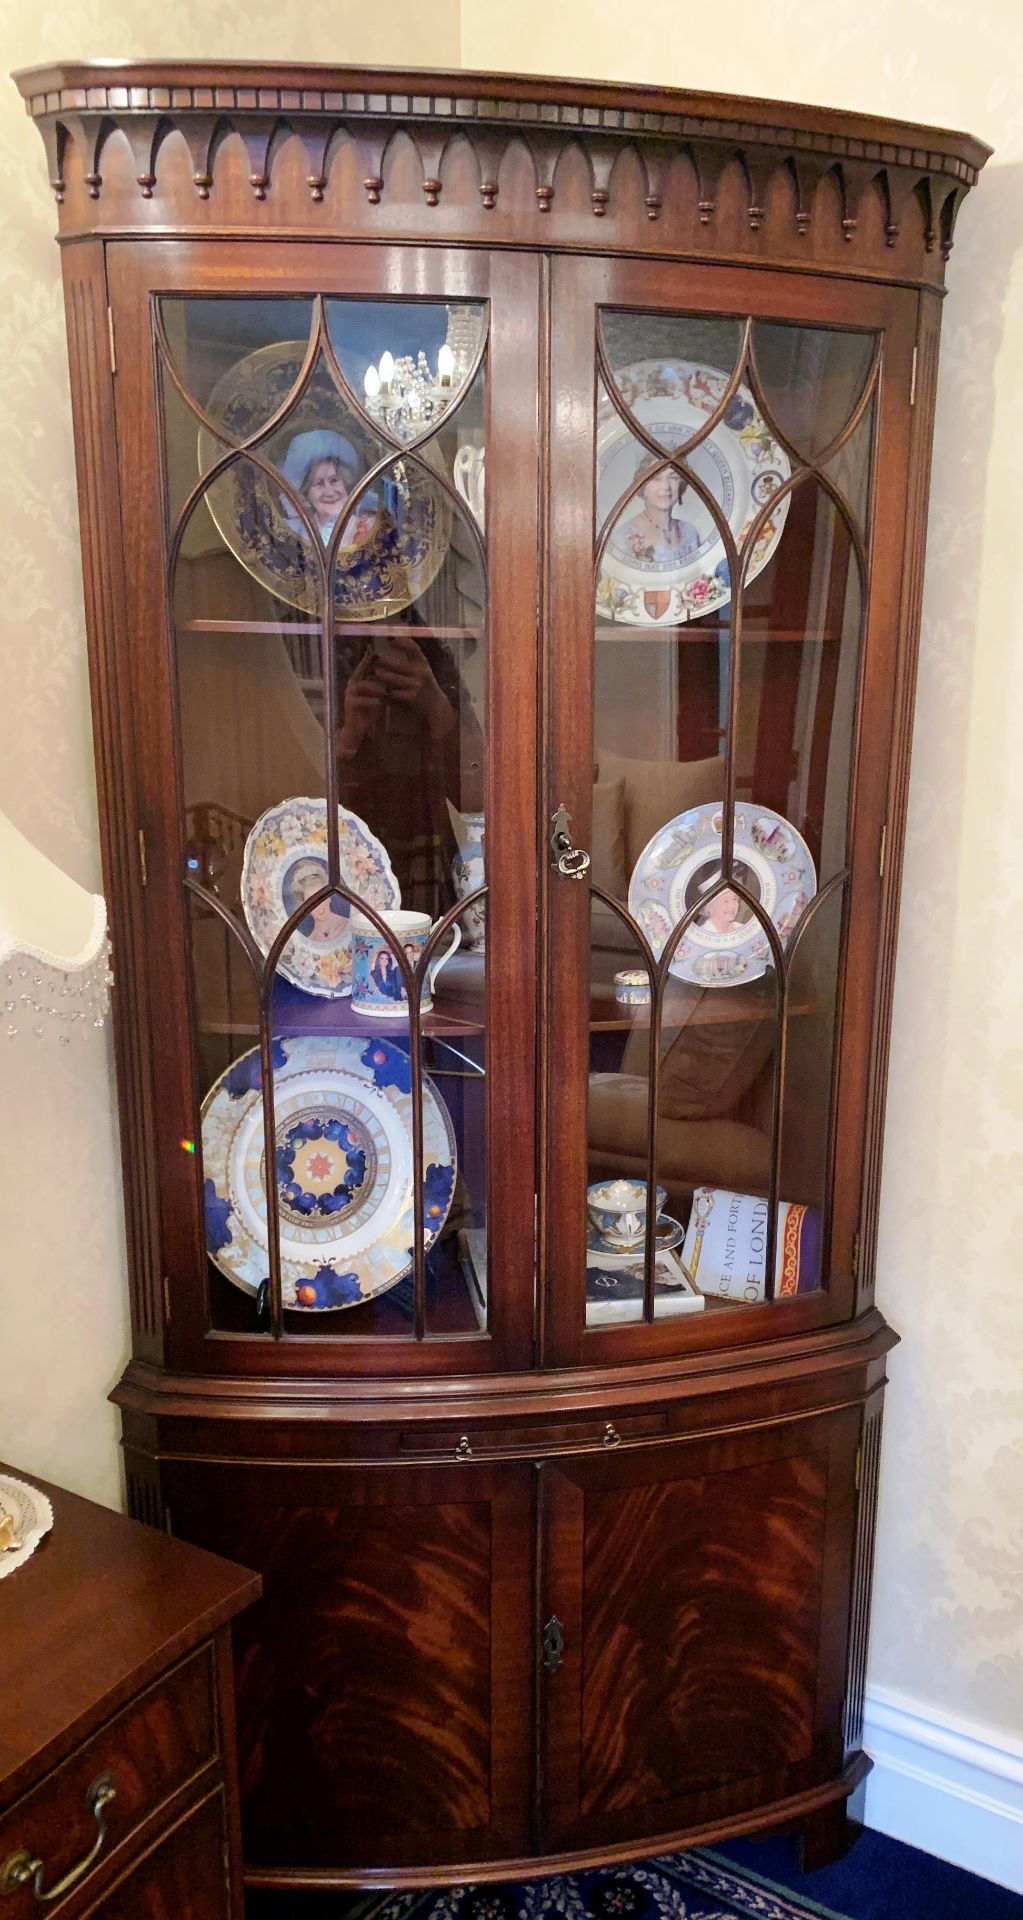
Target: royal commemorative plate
<point x="664" y="561"/>
<point x="397" y="531"/>
<point x="285" y="862"/>
<point x="681" y="866"/>
<point x="343" y="1167"/>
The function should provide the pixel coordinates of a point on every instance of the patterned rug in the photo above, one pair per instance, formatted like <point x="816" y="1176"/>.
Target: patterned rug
<point x="690" y="1886"/>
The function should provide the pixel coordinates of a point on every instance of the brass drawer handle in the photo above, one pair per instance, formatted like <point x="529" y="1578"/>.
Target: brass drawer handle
<point x="463" y="1451"/>
<point x="19" y="1868"/>
<point x="612" y="1437"/>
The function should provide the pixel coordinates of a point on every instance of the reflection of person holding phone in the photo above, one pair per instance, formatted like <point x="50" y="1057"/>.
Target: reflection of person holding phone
<point x="408" y="741"/>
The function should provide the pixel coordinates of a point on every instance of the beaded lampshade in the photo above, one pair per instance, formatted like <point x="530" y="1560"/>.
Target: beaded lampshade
<point x="54" y="952"/>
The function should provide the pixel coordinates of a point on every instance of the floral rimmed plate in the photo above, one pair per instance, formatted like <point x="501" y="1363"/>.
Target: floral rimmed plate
<point x="343" y="1138"/>
<point x="25" y="1516"/>
<point x="285" y="862"/>
<point x="681" y="865"/>
<point x="664" y="561"/>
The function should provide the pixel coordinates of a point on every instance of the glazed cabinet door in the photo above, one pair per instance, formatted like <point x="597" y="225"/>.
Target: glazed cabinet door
<point x="385" y="1679"/>
<point x="727" y="497"/>
<point x="695" y="1600"/>
<point x="328" y="466"/>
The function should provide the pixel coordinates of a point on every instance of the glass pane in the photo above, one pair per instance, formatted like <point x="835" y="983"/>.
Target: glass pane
<point x="679" y="680"/>
<point x="806" y="1111"/>
<point x="799" y="678"/>
<point x="663" y="558"/>
<point x="319" y="524"/>
<point x="669" y="371"/>
<point x="214" y="348"/>
<point x="407" y="361"/>
<point x="811" y="379"/>
<point x="618" y="1159"/>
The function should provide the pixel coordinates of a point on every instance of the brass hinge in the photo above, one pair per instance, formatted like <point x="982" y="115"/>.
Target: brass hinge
<point x="882" y="851"/>
<point x="142" y="858"/>
<point x="912" y="380"/>
<point x="855" y="1261"/>
<point x="110" y="337"/>
<point x="166" y="1299"/>
<point x="859" y="1464"/>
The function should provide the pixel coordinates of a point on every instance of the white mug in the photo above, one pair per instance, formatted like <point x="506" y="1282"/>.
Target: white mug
<point x="377" y="985"/>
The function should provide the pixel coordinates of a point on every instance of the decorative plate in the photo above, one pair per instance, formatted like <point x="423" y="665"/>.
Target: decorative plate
<point x="726" y="943"/>
<point x="25" y="1516"/>
<point x="661" y="571"/>
<point x="285" y="861"/>
<point x="400" y="530"/>
<point x="343" y="1134"/>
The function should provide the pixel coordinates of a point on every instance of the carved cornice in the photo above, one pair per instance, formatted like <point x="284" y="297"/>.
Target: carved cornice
<point x="917" y="171"/>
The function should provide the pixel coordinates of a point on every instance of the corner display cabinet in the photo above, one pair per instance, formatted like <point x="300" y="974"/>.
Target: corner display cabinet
<point x="503" y="512"/>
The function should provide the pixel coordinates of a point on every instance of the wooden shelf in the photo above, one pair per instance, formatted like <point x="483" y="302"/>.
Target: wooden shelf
<point x="343" y="629"/>
<point x="295" y="1012"/>
<point x="691" y="633"/>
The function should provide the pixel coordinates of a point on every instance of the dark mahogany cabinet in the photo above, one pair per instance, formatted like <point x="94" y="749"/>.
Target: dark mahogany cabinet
<point x="503" y="510"/>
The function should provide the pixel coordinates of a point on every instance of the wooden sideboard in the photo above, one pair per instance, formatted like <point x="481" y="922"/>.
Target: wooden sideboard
<point x="118" y="1792"/>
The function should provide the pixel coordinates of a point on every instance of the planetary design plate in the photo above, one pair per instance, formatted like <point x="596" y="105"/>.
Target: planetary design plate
<point x="664" y="561"/>
<point x="343" y="1167"/>
<point x="681" y="865"/>
<point x="285" y="862"/>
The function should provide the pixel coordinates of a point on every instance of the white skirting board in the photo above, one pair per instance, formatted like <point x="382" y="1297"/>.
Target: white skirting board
<point x="951" y="1788"/>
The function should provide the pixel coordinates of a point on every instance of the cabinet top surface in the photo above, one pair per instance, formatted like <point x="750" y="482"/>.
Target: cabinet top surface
<point x="601" y="106"/>
<point x="103" y="1606"/>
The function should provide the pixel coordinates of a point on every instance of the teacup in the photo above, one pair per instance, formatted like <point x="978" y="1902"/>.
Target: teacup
<point x="617" y="1209"/>
<point x="377" y="984"/>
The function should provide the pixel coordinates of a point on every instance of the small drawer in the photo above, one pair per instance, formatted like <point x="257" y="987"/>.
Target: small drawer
<point x="144" y="1754"/>
<point x="570" y="1436"/>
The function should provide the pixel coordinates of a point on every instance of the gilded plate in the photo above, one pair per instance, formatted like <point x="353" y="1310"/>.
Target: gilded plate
<point x="399" y="531"/>
<point x="343" y="1165"/>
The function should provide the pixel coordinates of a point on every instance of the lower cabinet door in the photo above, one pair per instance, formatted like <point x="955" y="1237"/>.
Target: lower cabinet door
<point x="695" y="1600"/>
<point x="385" y="1679"/>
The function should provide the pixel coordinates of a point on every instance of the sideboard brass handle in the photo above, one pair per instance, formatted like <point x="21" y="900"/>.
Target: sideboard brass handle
<point x="612" y="1437"/>
<point x="463" y="1451"/>
<point x="19" y="1868"/>
<point x="573" y="863"/>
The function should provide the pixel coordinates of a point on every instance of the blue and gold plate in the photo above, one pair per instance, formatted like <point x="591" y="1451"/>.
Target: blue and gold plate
<point x="343" y="1165"/>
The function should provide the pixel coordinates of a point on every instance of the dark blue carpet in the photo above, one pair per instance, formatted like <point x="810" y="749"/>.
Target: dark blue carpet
<point x="879" y="1879"/>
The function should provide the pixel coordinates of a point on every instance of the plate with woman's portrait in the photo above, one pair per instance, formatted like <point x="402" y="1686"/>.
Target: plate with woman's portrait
<point x="343" y="1159"/>
<point x="680" y="868"/>
<point x="395" y="534"/>
<point x="285" y="863"/>
<point x="664" y="561"/>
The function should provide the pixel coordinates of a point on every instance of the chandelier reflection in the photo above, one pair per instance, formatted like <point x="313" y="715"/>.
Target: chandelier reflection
<point x="407" y="396"/>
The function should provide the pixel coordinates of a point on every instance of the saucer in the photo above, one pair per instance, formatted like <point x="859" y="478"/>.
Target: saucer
<point x="669" y="1234"/>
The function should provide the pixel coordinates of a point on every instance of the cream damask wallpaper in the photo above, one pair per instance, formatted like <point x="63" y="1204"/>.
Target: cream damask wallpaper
<point x="948" y="1626"/>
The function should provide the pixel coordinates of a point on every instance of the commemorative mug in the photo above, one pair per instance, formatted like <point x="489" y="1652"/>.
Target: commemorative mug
<point x="617" y="1210"/>
<point x="377" y="985"/>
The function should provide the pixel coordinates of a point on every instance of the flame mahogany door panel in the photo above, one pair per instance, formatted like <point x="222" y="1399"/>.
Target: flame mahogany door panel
<point x="385" y="1679"/>
<point x="702" y="1596"/>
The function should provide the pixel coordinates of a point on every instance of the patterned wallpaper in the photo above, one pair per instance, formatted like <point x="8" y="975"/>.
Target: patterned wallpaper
<point x="948" y="1628"/>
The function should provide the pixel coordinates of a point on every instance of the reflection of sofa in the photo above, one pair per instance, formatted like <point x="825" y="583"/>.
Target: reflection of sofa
<point x="717" y="1044"/>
